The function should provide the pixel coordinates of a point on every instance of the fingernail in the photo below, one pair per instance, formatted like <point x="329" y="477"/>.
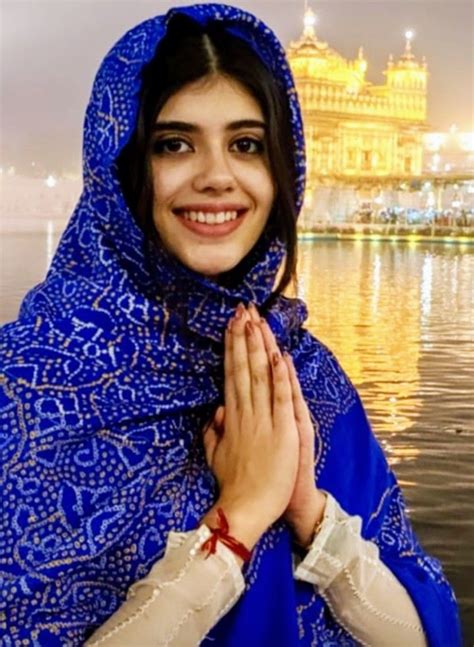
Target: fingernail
<point x="240" y="311"/>
<point x="229" y="326"/>
<point x="249" y="329"/>
<point x="275" y="359"/>
<point x="253" y="308"/>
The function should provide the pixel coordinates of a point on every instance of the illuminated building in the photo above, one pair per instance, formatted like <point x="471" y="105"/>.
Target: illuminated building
<point x="449" y="153"/>
<point x="354" y="129"/>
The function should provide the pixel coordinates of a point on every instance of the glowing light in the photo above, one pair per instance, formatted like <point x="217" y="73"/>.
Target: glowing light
<point x="51" y="181"/>
<point x="308" y="200"/>
<point x="466" y="141"/>
<point x="309" y="18"/>
<point x="426" y="286"/>
<point x="324" y="73"/>
<point x="434" y="141"/>
<point x="377" y="267"/>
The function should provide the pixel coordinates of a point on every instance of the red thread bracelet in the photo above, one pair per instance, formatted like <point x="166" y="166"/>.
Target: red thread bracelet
<point x="222" y="534"/>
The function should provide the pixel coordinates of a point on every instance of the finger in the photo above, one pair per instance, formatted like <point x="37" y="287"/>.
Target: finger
<point x="259" y="370"/>
<point x="256" y="319"/>
<point x="299" y="404"/>
<point x="271" y="345"/>
<point x="253" y="312"/>
<point x="240" y="361"/>
<point x="229" y="378"/>
<point x="282" y="395"/>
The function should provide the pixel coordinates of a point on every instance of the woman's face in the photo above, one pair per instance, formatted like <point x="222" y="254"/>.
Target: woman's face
<point x="212" y="186"/>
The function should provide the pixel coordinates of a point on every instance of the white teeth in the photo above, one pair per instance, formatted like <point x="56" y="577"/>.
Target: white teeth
<point x="210" y="218"/>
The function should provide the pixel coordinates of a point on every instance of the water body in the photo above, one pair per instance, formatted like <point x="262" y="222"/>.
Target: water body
<point x="400" y="319"/>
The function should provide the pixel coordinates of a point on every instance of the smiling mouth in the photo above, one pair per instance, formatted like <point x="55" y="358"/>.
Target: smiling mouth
<point x="211" y="223"/>
<point x="210" y="218"/>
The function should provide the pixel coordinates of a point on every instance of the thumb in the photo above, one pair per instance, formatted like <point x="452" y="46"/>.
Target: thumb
<point x="210" y="441"/>
<point x="219" y="419"/>
<point x="212" y="434"/>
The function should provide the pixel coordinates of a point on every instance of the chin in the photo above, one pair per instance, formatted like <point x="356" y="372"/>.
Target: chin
<point x="211" y="269"/>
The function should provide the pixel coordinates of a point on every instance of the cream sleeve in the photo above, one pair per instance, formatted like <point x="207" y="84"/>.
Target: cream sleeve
<point x="362" y="593"/>
<point x="180" y="600"/>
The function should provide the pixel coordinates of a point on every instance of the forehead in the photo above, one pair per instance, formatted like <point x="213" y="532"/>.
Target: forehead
<point x="211" y="101"/>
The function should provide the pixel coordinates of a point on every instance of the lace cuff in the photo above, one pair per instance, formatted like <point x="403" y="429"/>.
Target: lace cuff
<point x="180" y="600"/>
<point x="362" y="593"/>
<point x="337" y="544"/>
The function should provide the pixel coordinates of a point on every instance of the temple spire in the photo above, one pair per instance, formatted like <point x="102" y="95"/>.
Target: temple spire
<point x="309" y="20"/>
<point x="408" y="54"/>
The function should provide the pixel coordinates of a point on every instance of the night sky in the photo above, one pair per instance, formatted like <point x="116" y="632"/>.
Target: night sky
<point x="50" y="51"/>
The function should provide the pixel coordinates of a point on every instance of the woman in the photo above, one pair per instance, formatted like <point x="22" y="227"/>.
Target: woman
<point x="193" y="177"/>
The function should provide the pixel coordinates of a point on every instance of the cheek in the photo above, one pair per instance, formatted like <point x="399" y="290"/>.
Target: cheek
<point x="267" y="190"/>
<point x="166" y="182"/>
<point x="259" y="183"/>
<point x="266" y="183"/>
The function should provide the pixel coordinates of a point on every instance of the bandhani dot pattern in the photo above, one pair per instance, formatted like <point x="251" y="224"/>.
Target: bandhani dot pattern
<point x="107" y="378"/>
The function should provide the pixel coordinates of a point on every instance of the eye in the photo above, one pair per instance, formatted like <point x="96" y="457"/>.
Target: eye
<point x="249" y="145"/>
<point x="171" y="145"/>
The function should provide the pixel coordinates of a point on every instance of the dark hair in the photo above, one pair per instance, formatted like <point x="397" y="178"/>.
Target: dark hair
<point x="186" y="54"/>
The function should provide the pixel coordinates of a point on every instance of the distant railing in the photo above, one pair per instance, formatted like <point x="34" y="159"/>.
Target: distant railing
<point x="390" y="232"/>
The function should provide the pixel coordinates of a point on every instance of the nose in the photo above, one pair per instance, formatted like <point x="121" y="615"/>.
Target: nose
<point x="214" y="173"/>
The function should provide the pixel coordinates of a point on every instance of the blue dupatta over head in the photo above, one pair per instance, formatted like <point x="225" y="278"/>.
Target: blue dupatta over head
<point x="107" y="378"/>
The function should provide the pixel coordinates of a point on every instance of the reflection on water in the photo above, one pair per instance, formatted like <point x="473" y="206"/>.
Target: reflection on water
<point x="386" y="310"/>
<point x="400" y="319"/>
<point x="24" y="261"/>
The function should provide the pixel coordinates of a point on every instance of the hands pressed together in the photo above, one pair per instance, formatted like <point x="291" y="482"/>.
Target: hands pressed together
<point x="260" y="445"/>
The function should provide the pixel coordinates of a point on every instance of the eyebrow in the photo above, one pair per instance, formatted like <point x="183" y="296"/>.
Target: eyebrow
<point x="186" y="127"/>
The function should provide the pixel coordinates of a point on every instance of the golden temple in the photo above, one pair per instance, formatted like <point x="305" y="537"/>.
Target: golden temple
<point x="353" y="128"/>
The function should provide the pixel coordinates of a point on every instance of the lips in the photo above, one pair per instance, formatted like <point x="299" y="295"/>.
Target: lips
<point x="211" y="220"/>
<point x="211" y="207"/>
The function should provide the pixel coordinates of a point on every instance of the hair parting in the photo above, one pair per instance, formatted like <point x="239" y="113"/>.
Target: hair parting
<point x="185" y="55"/>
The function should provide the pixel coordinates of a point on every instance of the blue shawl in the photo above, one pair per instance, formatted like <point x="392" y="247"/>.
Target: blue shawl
<point x="106" y="380"/>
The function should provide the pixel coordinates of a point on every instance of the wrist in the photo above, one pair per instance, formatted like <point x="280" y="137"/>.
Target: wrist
<point x="306" y="521"/>
<point x="244" y="526"/>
